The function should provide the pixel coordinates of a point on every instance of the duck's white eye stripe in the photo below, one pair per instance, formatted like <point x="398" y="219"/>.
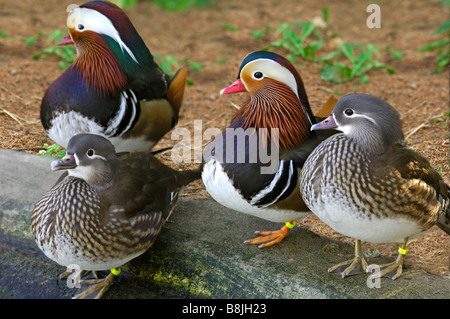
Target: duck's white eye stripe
<point x="100" y="157"/>
<point x="366" y="117"/>
<point x="77" y="160"/>
<point x="348" y="129"/>
<point x="95" y="21"/>
<point x="273" y="70"/>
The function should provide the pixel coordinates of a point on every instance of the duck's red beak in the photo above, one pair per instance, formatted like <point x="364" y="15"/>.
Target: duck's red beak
<point x="236" y="87"/>
<point x="66" y="40"/>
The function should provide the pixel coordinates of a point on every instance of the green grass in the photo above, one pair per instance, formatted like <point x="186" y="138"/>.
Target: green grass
<point x="65" y="52"/>
<point x="440" y="46"/>
<point x="170" y="65"/>
<point x="4" y="35"/>
<point x="358" y="61"/>
<point x="182" y="5"/>
<point x="347" y="62"/>
<point x="229" y="27"/>
<point x="170" y="5"/>
<point x="53" y="151"/>
<point x="444" y="120"/>
<point x="125" y="3"/>
<point x="303" y="40"/>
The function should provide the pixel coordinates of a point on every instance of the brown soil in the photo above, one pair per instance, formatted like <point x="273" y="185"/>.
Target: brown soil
<point x="198" y="34"/>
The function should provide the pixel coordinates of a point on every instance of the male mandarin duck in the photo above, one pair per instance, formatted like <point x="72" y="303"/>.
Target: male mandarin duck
<point x="107" y="210"/>
<point x="114" y="88"/>
<point x="366" y="184"/>
<point x="237" y="171"/>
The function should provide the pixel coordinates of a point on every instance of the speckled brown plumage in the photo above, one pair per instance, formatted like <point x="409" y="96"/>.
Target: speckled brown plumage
<point x="109" y="209"/>
<point x="374" y="187"/>
<point x="366" y="184"/>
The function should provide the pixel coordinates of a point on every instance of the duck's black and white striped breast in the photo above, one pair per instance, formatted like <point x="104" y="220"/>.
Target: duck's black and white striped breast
<point x="250" y="193"/>
<point x="71" y="121"/>
<point x="238" y="175"/>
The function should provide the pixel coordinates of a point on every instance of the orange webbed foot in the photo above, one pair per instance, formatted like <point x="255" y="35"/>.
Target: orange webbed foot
<point x="270" y="238"/>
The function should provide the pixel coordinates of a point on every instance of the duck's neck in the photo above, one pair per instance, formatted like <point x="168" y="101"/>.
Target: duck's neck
<point x="275" y="106"/>
<point x="100" y="67"/>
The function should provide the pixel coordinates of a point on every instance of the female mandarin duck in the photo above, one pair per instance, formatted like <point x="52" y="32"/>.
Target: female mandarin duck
<point x="367" y="185"/>
<point x="114" y="88"/>
<point x="237" y="171"/>
<point x="107" y="210"/>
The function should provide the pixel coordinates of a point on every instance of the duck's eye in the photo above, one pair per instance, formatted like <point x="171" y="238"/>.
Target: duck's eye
<point x="258" y="75"/>
<point x="80" y="27"/>
<point x="348" y="112"/>
<point x="90" y="153"/>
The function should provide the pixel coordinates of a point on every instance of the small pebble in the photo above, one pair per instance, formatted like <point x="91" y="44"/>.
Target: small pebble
<point x="330" y="248"/>
<point x="371" y="253"/>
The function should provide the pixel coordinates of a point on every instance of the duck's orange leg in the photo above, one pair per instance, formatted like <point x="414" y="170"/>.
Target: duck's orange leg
<point x="270" y="238"/>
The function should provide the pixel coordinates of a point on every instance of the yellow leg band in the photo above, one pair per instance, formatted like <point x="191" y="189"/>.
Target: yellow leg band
<point x="290" y="225"/>
<point x="402" y="251"/>
<point x="116" y="271"/>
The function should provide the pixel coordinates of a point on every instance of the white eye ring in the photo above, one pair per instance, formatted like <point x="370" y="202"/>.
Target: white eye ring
<point x="348" y="112"/>
<point x="90" y="153"/>
<point x="80" y="27"/>
<point x="258" y="75"/>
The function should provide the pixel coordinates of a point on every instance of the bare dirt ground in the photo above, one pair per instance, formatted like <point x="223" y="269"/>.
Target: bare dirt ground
<point x="200" y="36"/>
